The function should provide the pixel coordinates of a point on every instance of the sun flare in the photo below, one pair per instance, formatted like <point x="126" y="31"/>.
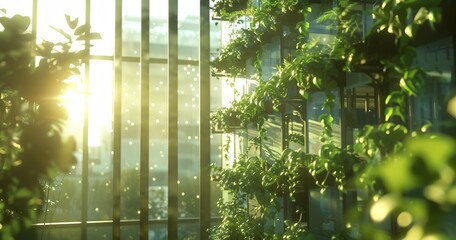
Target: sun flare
<point x="93" y="104"/>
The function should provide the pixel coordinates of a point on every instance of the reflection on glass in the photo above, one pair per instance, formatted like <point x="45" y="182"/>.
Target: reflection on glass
<point x="188" y="30"/>
<point x="158" y="139"/>
<point x="188" y="135"/>
<point x="129" y="232"/>
<point x="100" y="232"/>
<point x="158" y="30"/>
<point x="131" y="28"/>
<point x="188" y="231"/>
<point x="60" y="233"/>
<point x="100" y="140"/>
<point x="159" y="232"/>
<point x="130" y="149"/>
<point x="314" y="110"/>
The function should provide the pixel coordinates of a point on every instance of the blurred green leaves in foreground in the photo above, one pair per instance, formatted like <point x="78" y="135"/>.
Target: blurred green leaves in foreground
<point x="33" y="144"/>
<point x="417" y="189"/>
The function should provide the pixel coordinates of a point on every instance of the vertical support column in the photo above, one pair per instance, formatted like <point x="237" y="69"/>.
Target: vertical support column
<point x="205" y="129"/>
<point x="85" y="134"/>
<point x="144" y="134"/>
<point x="286" y="119"/>
<point x="380" y="91"/>
<point x="34" y="27"/>
<point x="117" y="121"/>
<point x="172" y="119"/>
<point x="342" y="115"/>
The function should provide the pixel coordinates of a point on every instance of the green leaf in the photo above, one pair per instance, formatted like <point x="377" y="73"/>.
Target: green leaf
<point x="95" y="36"/>
<point x="63" y="33"/>
<point x="21" y="22"/>
<point x="408" y="86"/>
<point x="83" y="29"/>
<point x="71" y="23"/>
<point x="394" y="111"/>
<point x="317" y="82"/>
<point x="23" y="193"/>
<point x="395" y="97"/>
<point x="421" y="16"/>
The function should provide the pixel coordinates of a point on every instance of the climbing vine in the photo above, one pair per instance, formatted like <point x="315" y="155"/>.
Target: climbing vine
<point x="380" y="153"/>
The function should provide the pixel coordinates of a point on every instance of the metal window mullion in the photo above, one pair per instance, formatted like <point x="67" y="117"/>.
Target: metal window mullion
<point x="117" y="121"/>
<point x="172" y="118"/>
<point x="34" y="27"/>
<point x="144" y="135"/>
<point x="205" y="132"/>
<point x="85" y="134"/>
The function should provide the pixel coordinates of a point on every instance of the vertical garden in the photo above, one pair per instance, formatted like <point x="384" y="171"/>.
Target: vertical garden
<point x="352" y="135"/>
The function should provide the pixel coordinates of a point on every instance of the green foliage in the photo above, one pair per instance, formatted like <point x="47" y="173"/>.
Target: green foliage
<point x="229" y="9"/>
<point x="418" y="187"/>
<point x="247" y="43"/>
<point x="399" y="168"/>
<point x="32" y="141"/>
<point x="295" y="231"/>
<point x="237" y="222"/>
<point x="233" y="58"/>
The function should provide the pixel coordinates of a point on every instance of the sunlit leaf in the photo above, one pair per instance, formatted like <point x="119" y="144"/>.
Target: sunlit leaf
<point x="71" y="23"/>
<point x="395" y="97"/>
<point x="421" y="16"/>
<point x="408" y="87"/>
<point x="83" y="29"/>
<point x="95" y="36"/>
<point x="394" y="111"/>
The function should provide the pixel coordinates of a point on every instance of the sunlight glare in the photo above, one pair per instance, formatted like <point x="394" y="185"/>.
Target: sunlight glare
<point x="98" y="109"/>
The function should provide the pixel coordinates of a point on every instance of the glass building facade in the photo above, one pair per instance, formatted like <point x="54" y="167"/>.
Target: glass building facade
<point x="140" y="111"/>
<point x="136" y="112"/>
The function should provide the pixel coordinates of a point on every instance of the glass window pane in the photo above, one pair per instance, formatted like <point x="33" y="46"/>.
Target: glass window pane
<point x="158" y="231"/>
<point x="21" y="7"/>
<point x="188" y="141"/>
<point x="131" y="117"/>
<point x="103" y="24"/>
<point x="59" y="233"/>
<point x="188" y="39"/>
<point x="100" y="141"/>
<point x="188" y="231"/>
<point x="99" y="232"/>
<point x="62" y="199"/>
<point x="158" y="151"/>
<point x="129" y="232"/>
<point x="52" y="13"/>
<point x="158" y="29"/>
<point x="131" y="28"/>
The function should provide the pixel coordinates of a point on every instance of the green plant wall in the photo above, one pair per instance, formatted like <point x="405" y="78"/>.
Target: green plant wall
<point x="408" y="173"/>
